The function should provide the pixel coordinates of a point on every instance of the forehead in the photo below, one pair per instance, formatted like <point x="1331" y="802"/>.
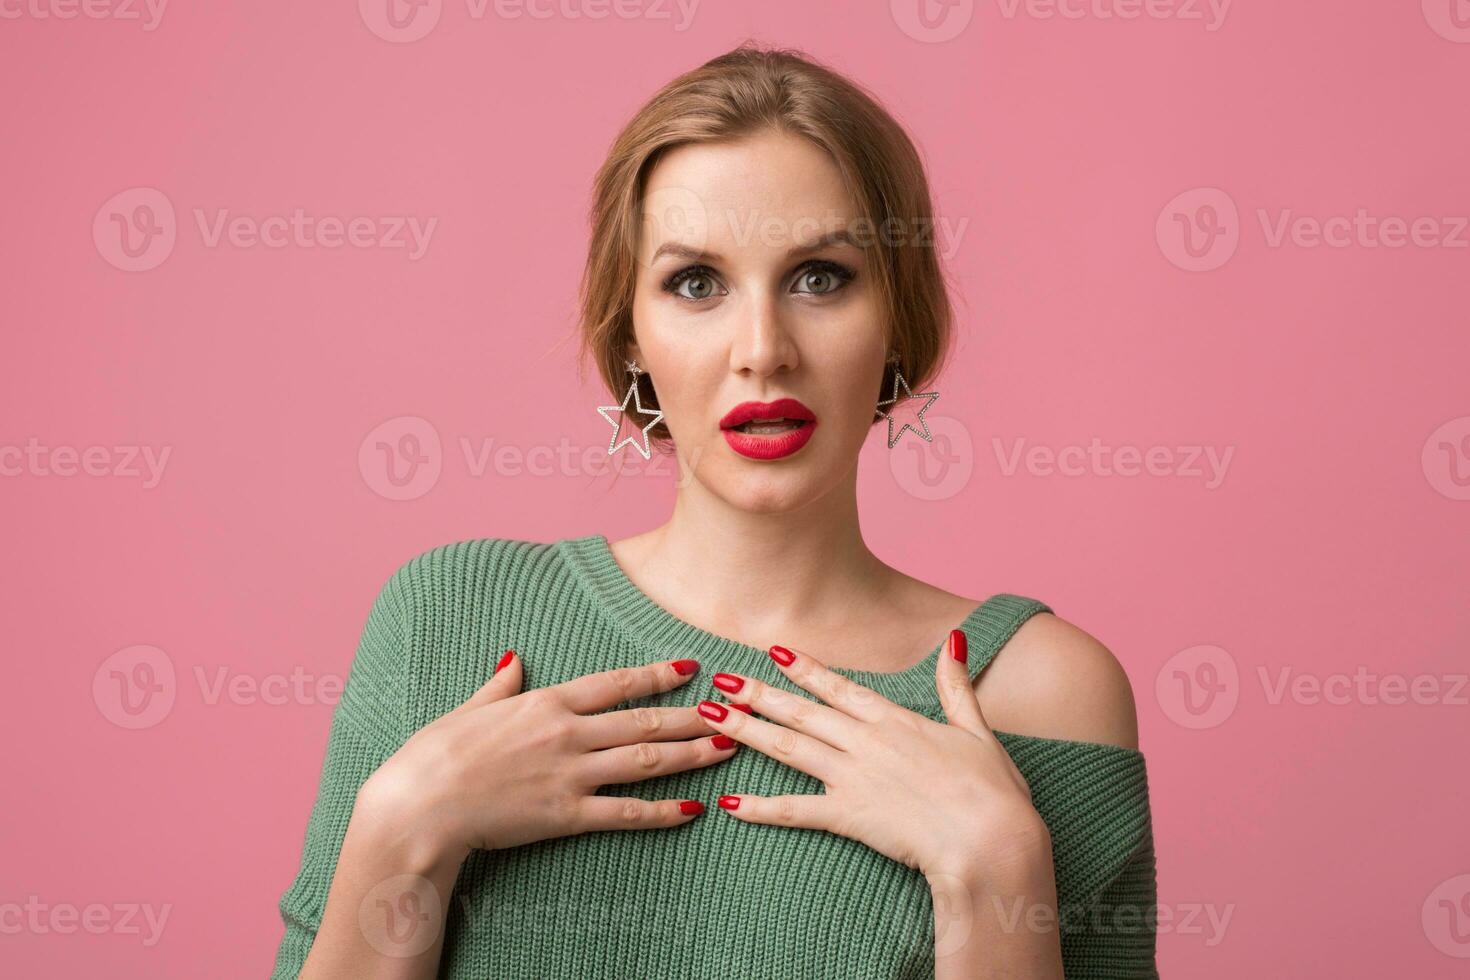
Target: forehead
<point x="765" y="190"/>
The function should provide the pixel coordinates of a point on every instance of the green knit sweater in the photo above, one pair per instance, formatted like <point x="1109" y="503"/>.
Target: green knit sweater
<point x="715" y="896"/>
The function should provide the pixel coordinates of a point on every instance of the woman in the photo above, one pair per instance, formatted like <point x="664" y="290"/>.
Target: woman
<point x="761" y="283"/>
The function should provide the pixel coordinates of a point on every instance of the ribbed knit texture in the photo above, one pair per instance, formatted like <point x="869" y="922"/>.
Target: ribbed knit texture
<point x="716" y="896"/>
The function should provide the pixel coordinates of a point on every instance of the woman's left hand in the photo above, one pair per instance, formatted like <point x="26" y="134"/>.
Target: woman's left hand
<point x="945" y="799"/>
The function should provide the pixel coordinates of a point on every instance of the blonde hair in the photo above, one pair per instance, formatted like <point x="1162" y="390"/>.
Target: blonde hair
<point x="747" y="90"/>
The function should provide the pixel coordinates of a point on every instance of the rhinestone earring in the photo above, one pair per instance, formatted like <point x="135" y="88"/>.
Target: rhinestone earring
<point x="928" y="397"/>
<point x="617" y="422"/>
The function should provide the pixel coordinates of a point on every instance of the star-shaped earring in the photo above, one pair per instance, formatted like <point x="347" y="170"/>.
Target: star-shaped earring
<point x="614" y="444"/>
<point x="922" y="429"/>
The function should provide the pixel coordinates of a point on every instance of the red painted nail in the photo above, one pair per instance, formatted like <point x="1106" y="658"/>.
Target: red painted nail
<point x="713" y="709"/>
<point x="686" y="667"/>
<point x="730" y="802"/>
<point x="782" y="656"/>
<point x="723" y="742"/>
<point x="690" y="806"/>
<point x="505" y="658"/>
<point x="743" y="707"/>
<point x="959" y="645"/>
<point x="728" y="682"/>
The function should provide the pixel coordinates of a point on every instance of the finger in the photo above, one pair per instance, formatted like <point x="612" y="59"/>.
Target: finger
<point x="956" y="690"/>
<point x="630" y="813"/>
<point x="645" y="760"/>
<point x="806" y="811"/>
<point x="780" y="743"/>
<point x="796" y="712"/>
<point x="505" y="682"/>
<point x="642" y="724"/>
<point x="841" y="693"/>
<point x="595" y="692"/>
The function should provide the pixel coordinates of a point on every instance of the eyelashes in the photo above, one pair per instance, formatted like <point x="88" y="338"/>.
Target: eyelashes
<point x="838" y="276"/>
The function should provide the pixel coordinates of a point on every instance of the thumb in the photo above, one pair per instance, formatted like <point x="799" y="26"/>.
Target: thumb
<point x="956" y="690"/>
<point x="504" y="683"/>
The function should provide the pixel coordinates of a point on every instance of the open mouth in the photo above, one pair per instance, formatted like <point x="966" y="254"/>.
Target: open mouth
<point x="769" y="427"/>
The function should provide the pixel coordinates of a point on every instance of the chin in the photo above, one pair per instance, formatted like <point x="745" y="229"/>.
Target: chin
<point x="769" y="488"/>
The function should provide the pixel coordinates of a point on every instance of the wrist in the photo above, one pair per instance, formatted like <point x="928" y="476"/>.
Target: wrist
<point x="399" y="832"/>
<point x="1014" y="855"/>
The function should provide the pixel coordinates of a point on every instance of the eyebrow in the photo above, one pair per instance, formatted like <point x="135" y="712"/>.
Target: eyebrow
<point x="839" y="237"/>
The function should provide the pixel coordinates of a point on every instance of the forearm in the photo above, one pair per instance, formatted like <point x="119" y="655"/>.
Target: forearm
<point x="999" y="921"/>
<point x="388" y="902"/>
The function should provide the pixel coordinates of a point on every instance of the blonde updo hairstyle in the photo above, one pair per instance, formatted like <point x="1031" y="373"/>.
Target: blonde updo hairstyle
<point x="745" y="91"/>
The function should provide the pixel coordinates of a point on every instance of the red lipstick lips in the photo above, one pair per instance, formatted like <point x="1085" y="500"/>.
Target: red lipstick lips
<point x="771" y="429"/>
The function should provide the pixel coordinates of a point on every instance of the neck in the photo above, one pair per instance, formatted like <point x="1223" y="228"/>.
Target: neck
<point x="758" y="573"/>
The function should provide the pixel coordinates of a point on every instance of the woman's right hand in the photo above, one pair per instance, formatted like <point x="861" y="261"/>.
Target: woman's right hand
<point x="508" y="768"/>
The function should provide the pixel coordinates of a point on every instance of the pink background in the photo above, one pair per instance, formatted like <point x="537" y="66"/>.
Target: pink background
<point x="1331" y="834"/>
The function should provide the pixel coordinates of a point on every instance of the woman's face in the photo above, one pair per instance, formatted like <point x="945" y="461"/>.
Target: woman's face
<point x="747" y="292"/>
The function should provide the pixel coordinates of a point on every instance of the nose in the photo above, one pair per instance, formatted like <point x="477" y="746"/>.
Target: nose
<point x="762" y="344"/>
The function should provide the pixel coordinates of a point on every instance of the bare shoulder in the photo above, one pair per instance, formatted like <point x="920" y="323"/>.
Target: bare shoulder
<point x="1055" y="680"/>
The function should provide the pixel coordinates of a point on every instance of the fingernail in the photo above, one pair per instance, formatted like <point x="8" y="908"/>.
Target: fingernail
<point x="686" y="667"/>
<point x="743" y="707"/>
<point x="782" y="656"/>
<point x="712" y="709"/>
<point x="723" y="742"/>
<point x="730" y="802"/>
<point x="687" y="807"/>
<point x="505" y="658"/>
<point x="959" y="645"/>
<point x="728" y="682"/>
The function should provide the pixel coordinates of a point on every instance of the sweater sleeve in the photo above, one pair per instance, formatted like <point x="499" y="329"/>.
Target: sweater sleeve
<point x="368" y="725"/>
<point x="1115" y="937"/>
<point x="1095" y="800"/>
